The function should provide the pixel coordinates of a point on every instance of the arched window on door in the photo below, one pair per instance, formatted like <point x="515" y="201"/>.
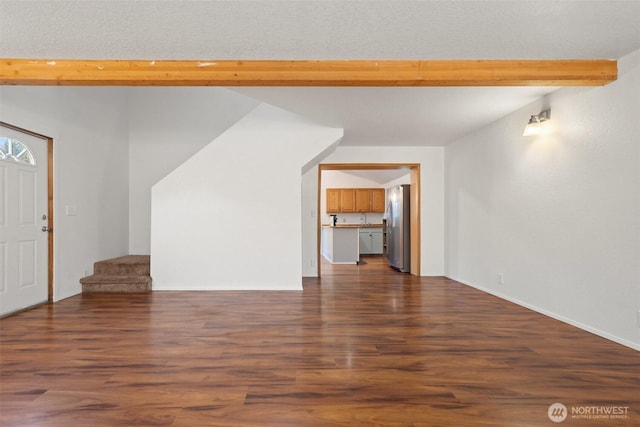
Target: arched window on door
<point x="14" y="150"/>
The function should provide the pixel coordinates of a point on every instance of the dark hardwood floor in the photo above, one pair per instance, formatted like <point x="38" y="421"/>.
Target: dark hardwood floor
<point x="362" y="346"/>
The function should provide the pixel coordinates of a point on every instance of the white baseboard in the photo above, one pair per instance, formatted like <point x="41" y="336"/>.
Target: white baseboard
<point x="587" y="328"/>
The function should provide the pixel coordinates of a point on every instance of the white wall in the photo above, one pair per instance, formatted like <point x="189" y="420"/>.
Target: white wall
<point x="167" y="125"/>
<point x="91" y="171"/>
<point x="558" y="214"/>
<point x="229" y="217"/>
<point x="431" y="160"/>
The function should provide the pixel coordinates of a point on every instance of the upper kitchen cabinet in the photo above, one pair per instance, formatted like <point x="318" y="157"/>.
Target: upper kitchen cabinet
<point x="378" y="200"/>
<point x="333" y="200"/>
<point x="370" y="200"/>
<point x="363" y="200"/>
<point x="341" y="200"/>
<point x="345" y="200"/>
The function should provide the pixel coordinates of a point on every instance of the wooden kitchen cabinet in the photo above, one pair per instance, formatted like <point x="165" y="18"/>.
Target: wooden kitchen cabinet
<point x="347" y="200"/>
<point x="378" y="200"/>
<point x="333" y="200"/>
<point x="370" y="200"/>
<point x="341" y="200"/>
<point x="363" y="200"/>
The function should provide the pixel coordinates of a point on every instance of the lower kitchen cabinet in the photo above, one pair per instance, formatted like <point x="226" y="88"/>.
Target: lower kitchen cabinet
<point x="370" y="241"/>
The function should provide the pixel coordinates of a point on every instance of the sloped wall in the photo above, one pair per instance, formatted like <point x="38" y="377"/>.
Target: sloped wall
<point x="168" y="125"/>
<point x="230" y="216"/>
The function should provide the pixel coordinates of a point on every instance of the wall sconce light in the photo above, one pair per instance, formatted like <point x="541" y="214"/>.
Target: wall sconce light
<point x="535" y="123"/>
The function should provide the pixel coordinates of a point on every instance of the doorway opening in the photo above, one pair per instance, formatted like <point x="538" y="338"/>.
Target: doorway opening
<point x="31" y="210"/>
<point x="413" y="170"/>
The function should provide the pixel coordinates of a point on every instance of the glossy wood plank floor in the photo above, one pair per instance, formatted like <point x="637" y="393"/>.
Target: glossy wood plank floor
<point x="362" y="346"/>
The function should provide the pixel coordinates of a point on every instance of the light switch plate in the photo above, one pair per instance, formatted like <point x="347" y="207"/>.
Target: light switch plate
<point x="71" y="210"/>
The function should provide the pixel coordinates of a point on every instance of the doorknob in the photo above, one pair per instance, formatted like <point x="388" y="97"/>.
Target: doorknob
<point x="46" y="229"/>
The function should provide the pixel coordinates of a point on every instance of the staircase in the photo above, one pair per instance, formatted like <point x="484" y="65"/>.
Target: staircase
<point x="129" y="273"/>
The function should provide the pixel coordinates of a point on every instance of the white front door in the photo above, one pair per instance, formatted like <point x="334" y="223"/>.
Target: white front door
<point x="23" y="214"/>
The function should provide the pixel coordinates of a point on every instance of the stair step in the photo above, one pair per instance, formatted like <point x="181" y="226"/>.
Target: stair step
<point x="117" y="287"/>
<point x="117" y="278"/>
<point x="125" y="265"/>
<point x="130" y="273"/>
<point x="115" y="283"/>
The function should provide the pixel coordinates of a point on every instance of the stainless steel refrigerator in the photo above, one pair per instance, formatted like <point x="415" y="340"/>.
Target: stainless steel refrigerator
<point x="398" y="227"/>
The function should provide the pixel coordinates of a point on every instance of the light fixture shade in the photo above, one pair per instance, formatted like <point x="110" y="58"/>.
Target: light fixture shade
<point x="534" y="127"/>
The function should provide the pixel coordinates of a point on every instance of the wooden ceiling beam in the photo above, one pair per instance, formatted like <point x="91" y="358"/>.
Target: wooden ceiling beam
<point x="307" y="72"/>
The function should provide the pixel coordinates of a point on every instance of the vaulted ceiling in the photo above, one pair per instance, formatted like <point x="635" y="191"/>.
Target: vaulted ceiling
<point x="305" y="29"/>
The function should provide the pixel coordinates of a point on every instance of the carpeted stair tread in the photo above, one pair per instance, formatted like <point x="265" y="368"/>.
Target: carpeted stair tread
<point x="105" y="278"/>
<point x="125" y="265"/>
<point x="130" y="273"/>
<point x="116" y="287"/>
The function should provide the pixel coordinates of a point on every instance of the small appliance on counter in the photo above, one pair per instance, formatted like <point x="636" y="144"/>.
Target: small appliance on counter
<point x="333" y="220"/>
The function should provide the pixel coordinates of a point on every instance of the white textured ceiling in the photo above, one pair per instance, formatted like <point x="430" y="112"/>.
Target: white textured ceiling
<point x="304" y="29"/>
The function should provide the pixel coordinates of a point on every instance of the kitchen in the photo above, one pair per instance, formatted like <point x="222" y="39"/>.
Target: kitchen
<point x="356" y="220"/>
